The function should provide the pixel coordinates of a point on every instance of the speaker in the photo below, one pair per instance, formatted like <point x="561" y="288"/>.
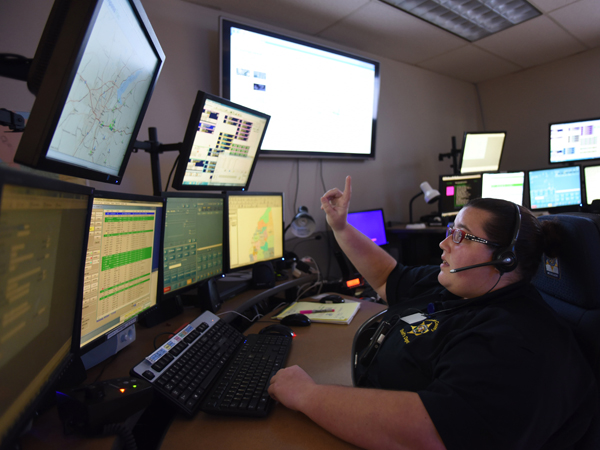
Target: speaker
<point x="263" y="275"/>
<point x="209" y="297"/>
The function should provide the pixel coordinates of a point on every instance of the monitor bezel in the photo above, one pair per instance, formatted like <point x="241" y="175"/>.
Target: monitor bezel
<point x="561" y="208"/>
<point x="474" y="175"/>
<point x="227" y="259"/>
<point x="82" y="350"/>
<point x="387" y="241"/>
<point x="468" y="133"/>
<point x="585" y="178"/>
<point x="188" y="141"/>
<point x="58" y="79"/>
<point x="506" y="173"/>
<point x="15" y="176"/>
<point x="225" y="26"/>
<point x="167" y="296"/>
<point x="569" y="122"/>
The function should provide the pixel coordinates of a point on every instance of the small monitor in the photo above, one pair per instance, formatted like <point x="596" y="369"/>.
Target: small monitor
<point x="506" y="186"/>
<point x="121" y="267"/>
<point x="193" y="240"/>
<point x="553" y="188"/>
<point x="93" y="75"/>
<point x="456" y="191"/>
<point x="255" y="228"/>
<point x="481" y="152"/>
<point x="591" y="177"/>
<point x="371" y="223"/>
<point x="43" y="232"/>
<point x="574" y="141"/>
<point x="221" y="145"/>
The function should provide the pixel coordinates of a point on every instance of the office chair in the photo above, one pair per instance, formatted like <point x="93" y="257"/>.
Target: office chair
<point x="571" y="288"/>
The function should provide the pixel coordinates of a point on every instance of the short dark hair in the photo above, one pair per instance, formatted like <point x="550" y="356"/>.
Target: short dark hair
<point x="535" y="237"/>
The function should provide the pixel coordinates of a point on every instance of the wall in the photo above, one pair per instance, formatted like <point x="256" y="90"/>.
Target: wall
<point x="525" y="103"/>
<point x="419" y="111"/>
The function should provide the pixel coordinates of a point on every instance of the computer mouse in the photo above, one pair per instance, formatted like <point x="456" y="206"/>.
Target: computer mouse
<point x="332" y="298"/>
<point x="296" y="320"/>
<point x="278" y="330"/>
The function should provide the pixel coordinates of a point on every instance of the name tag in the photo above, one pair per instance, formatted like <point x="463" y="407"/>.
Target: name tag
<point x="414" y="318"/>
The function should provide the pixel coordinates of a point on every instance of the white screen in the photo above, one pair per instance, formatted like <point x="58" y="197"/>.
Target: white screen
<point x="319" y="101"/>
<point x="482" y="152"/>
<point x="592" y="183"/>
<point x="505" y="186"/>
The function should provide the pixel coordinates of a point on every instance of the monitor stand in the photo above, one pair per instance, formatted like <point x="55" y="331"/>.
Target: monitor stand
<point x="110" y="347"/>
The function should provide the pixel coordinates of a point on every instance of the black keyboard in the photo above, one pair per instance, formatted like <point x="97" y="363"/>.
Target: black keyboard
<point x="210" y="366"/>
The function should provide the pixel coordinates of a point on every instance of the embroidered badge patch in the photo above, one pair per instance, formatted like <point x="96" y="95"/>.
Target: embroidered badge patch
<point x="427" y="326"/>
<point x="551" y="266"/>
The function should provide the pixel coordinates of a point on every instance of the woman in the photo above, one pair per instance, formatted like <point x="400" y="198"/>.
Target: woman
<point x="474" y="359"/>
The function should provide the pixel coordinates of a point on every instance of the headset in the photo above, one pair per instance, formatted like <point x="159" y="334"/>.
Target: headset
<point x="505" y="259"/>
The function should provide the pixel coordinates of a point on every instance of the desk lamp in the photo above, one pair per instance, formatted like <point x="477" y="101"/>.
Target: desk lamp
<point x="431" y="196"/>
<point x="303" y="225"/>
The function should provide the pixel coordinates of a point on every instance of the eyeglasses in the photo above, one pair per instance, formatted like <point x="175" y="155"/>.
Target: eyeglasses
<point x="459" y="235"/>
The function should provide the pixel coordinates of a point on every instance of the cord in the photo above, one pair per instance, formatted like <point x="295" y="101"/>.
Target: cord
<point x="171" y="173"/>
<point x="124" y="432"/>
<point x="258" y="316"/>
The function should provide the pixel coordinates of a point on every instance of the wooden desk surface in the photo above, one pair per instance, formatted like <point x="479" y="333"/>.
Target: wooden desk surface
<point x="323" y="351"/>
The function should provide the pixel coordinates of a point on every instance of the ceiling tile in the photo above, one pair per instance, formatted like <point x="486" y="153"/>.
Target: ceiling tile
<point x="582" y="20"/>
<point x="550" y="5"/>
<point x="471" y="64"/>
<point x="531" y="43"/>
<point x="305" y="16"/>
<point x="384" y="30"/>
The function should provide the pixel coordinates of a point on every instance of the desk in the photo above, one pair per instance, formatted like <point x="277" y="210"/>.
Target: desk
<point x="323" y="350"/>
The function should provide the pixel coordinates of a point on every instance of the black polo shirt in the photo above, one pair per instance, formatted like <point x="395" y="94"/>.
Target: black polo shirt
<point x="500" y="371"/>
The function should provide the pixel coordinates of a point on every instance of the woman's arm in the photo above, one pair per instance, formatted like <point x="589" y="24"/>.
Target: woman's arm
<point x="373" y="263"/>
<point x="368" y="418"/>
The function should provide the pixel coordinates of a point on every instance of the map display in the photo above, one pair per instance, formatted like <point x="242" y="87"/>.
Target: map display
<point x="108" y="92"/>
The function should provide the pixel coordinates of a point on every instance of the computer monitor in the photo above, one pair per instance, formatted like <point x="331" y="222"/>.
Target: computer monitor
<point x="371" y="223"/>
<point x="574" y="141"/>
<point x="554" y="188"/>
<point x="482" y="151"/>
<point x="93" y="75"/>
<point x="591" y="177"/>
<point x="43" y="232"/>
<point x="456" y="191"/>
<point x="121" y="271"/>
<point x="506" y="186"/>
<point x="193" y="240"/>
<point x="255" y="228"/>
<point x="221" y="145"/>
<point x="322" y="101"/>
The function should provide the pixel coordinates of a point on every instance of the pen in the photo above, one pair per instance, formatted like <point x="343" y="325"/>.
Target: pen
<point x="314" y="311"/>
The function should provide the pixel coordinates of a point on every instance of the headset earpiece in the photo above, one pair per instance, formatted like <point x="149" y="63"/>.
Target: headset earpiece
<point x="507" y="256"/>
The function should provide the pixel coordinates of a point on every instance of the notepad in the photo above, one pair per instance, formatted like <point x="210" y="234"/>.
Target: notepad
<point x="343" y="312"/>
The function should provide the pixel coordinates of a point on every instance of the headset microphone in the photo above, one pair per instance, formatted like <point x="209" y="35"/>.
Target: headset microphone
<point x="506" y="261"/>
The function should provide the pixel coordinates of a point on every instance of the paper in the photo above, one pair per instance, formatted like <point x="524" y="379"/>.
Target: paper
<point x="343" y="312"/>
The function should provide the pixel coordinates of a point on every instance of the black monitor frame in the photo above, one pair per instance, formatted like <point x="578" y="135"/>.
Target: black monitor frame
<point x="55" y="68"/>
<point x="571" y="161"/>
<point x="21" y="178"/>
<point x="478" y="133"/>
<point x="169" y="296"/>
<point x="560" y="208"/>
<point x="444" y="211"/>
<point x="186" y="146"/>
<point x="375" y="210"/>
<point x="227" y="237"/>
<point x="88" y="347"/>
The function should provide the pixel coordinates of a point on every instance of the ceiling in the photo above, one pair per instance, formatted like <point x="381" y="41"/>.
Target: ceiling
<point x="566" y="27"/>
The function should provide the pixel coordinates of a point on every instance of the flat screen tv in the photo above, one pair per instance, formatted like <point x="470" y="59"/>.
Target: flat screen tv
<point x="322" y="102"/>
<point x="559" y="187"/>
<point x="574" y="141"/>
<point x="93" y="75"/>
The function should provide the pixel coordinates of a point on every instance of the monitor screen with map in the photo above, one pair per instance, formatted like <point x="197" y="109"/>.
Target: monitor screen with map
<point x="98" y="62"/>
<point x="255" y="228"/>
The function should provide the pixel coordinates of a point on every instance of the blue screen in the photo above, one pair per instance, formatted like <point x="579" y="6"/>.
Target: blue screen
<point x="370" y="223"/>
<point x="555" y="187"/>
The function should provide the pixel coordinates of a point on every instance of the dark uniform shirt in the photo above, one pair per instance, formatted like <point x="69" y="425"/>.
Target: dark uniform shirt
<point x="499" y="371"/>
